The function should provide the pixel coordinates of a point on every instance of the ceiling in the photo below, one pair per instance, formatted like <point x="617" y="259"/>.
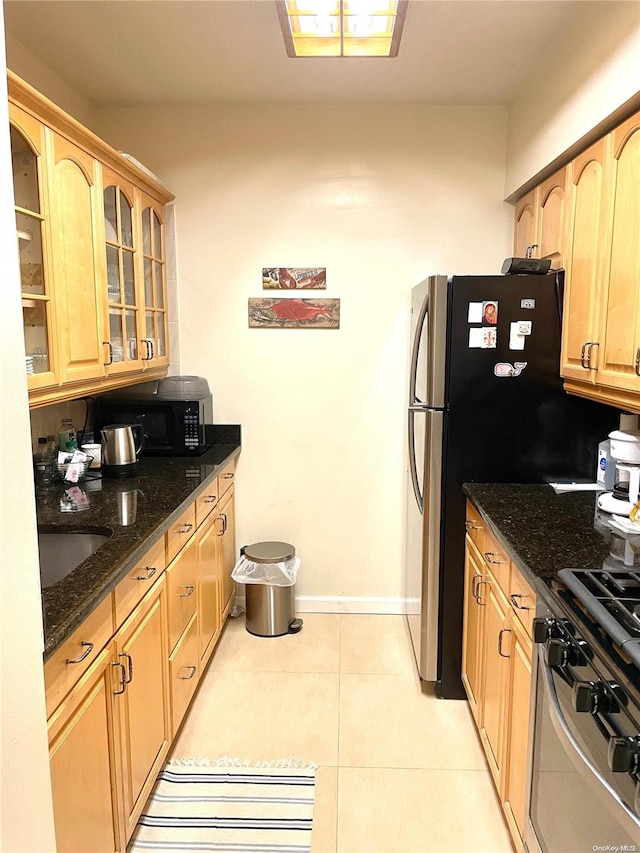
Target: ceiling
<point x="131" y="52"/>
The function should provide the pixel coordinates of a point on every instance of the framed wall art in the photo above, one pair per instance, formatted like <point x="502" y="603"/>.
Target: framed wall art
<point x="294" y="313"/>
<point x="294" y="278"/>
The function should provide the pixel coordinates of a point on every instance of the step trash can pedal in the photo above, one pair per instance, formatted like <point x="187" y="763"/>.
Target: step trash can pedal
<point x="269" y="571"/>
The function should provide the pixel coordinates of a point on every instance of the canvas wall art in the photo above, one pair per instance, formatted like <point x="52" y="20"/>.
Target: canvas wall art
<point x="294" y="278"/>
<point x="294" y="313"/>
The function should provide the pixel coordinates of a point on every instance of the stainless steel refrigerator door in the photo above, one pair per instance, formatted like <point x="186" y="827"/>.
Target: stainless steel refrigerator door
<point x="429" y="336"/>
<point x="423" y="536"/>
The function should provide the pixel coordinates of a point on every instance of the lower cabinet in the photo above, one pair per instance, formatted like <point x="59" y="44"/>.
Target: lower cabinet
<point x="143" y="728"/>
<point x="496" y="669"/>
<point x="82" y="765"/>
<point x="115" y="701"/>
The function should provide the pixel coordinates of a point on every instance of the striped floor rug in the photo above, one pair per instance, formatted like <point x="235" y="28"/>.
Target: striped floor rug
<point x="230" y="806"/>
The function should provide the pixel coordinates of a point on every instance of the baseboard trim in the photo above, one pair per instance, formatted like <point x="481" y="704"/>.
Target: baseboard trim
<point x="344" y="604"/>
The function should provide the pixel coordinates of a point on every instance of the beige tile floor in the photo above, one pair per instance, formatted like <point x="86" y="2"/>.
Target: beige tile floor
<point x="400" y="771"/>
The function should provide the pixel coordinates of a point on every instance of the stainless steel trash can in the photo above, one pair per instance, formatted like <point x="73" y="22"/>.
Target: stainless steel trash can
<point x="270" y="609"/>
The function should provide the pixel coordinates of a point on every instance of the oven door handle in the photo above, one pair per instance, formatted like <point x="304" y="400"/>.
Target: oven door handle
<point x="569" y="742"/>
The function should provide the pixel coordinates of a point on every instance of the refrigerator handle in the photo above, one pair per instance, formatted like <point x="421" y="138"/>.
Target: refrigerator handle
<point x="415" y="352"/>
<point x="412" y="459"/>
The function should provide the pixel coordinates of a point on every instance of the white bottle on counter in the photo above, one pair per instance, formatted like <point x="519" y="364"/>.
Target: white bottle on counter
<point x="606" y="470"/>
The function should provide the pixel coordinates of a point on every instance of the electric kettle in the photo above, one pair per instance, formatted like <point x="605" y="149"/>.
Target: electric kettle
<point x="120" y="450"/>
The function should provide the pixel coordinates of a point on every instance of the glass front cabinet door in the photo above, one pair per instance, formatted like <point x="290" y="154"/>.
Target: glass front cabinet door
<point x="155" y="339"/>
<point x="32" y="223"/>
<point x="122" y="235"/>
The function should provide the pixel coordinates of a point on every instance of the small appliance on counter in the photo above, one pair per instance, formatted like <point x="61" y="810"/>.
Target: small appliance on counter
<point x="173" y="419"/>
<point x="120" y="450"/>
<point x="624" y="447"/>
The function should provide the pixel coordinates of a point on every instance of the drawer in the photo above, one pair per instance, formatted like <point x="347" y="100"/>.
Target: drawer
<point x="475" y="526"/>
<point x="206" y="501"/>
<point x="522" y="598"/>
<point x="182" y="584"/>
<point x="139" y="581"/>
<point x="184" y="672"/>
<point x="77" y="653"/>
<point x="226" y="477"/>
<point x="496" y="558"/>
<point x="181" y="531"/>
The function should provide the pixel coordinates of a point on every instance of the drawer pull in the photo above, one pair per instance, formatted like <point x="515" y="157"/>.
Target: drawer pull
<point x="186" y="528"/>
<point x="210" y="499"/>
<point x="123" y="680"/>
<point x="489" y="554"/>
<point x="513" y="597"/>
<point x="227" y="476"/>
<point x="150" y="573"/>
<point x="129" y="675"/>
<point x="472" y="525"/>
<point x="193" y="669"/>
<point x="477" y="593"/>
<point x="84" y="655"/>
<point x="191" y="589"/>
<point x="500" y="652"/>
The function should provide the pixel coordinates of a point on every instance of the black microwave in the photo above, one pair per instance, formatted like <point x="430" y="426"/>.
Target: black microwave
<point x="171" y="427"/>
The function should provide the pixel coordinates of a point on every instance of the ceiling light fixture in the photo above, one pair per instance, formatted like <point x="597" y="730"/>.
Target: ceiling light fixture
<point x="315" y="28"/>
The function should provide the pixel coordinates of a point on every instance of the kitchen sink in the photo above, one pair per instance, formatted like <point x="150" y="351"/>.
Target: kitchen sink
<point x="61" y="552"/>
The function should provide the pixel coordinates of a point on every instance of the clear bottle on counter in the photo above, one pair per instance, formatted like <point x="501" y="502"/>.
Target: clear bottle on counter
<point x="45" y="460"/>
<point x="67" y="437"/>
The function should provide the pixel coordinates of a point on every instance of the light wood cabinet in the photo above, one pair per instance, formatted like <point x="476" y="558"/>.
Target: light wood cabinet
<point x="83" y="779"/>
<point x="540" y="226"/>
<point x="209" y="584"/>
<point x="619" y="362"/>
<point x="141" y="702"/>
<point x="226" y="512"/>
<point x="118" y="689"/>
<point x="92" y="255"/>
<point x="496" y="670"/>
<point x="473" y="627"/>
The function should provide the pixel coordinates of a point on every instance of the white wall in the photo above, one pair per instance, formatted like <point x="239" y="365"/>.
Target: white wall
<point x="382" y="198"/>
<point x="25" y="805"/>
<point x="597" y="70"/>
<point x="26" y="65"/>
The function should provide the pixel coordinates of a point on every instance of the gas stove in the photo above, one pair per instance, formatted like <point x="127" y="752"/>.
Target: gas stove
<point x="612" y="598"/>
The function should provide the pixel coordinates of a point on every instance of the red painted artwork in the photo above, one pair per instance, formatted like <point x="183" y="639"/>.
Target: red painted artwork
<point x="294" y="313"/>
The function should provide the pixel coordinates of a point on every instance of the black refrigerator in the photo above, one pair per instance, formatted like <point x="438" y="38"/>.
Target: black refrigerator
<point x="486" y="405"/>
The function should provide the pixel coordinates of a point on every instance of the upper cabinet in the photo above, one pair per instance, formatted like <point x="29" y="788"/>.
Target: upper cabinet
<point x="540" y="221"/>
<point x="90" y="230"/>
<point x="596" y="212"/>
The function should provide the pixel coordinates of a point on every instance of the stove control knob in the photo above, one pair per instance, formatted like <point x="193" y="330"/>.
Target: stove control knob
<point x="624" y="754"/>
<point x="557" y="652"/>
<point x="591" y="697"/>
<point x="542" y="628"/>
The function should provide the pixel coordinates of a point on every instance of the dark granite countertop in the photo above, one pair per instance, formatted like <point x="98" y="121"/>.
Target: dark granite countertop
<point x="541" y="531"/>
<point x="163" y="486"/>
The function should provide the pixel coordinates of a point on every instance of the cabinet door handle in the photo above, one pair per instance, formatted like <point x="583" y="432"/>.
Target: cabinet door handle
<point x="149" y="351"/>
<point x="191" y="589"/>
<point x="150" y="573"/>
<point x="123" y="680"/>
<point x="193" y="669"/>
<point x="108" y="344"/>
<point x="501" y="632"/>
<point x="591" y="345"/>
<point x="220" y="532"/>
<point x="88" y="648"/>
<point x="129" y="674"/>
<point x="489" y="554"/>
<point x="481" y="603"/>
<point x="474" y="587"/>
<point x="224" y="522"/>
<point x="529" y="251"/>
<point x="513" y="597"/>
<point x="638" y="362"/>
